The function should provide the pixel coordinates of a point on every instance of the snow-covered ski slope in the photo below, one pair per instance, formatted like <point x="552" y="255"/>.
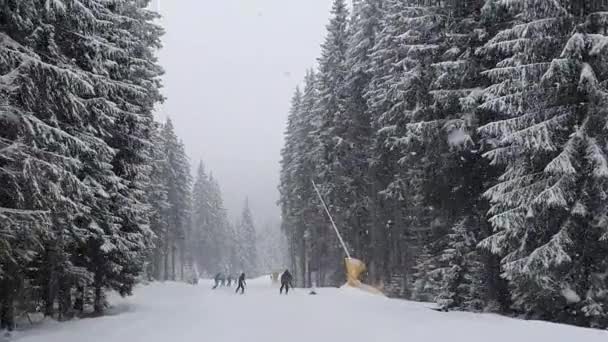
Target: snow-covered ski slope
<point x="183" y="313"/>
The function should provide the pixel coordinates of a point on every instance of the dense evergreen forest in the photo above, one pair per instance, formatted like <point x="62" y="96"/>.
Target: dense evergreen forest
<point x="462" y="146"/>
<point x="95" y="195"/>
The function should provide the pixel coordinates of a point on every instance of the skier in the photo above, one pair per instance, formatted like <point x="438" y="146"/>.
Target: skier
<point x="242" y="284"/>
<point x="218" y="280"/>
<point x="229" y="280"/>
<point x="286" y="279"/>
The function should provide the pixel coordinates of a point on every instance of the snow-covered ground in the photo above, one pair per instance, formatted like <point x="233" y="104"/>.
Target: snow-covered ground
<point x="182" y="313"/>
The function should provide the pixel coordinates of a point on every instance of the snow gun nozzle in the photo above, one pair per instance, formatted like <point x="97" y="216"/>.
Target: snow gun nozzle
<point x="354" y="269"/>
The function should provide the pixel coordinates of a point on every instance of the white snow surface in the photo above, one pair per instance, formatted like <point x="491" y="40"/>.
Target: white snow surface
<point x="174" y="312"/>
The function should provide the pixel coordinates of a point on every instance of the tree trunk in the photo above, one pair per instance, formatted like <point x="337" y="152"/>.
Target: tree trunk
<point x="173" y="252"/>
<point x="99" y="303"/>
<point x="301" y="263"/>
<point x="160" y="275"/>
<point x="51" y="285"/>
<point x="375" y="229"/>
<point x="65" y="301"/>
<point x="7" y="312"/>
<point x="166" y="264"/>
<point x="307" y="269"/>
<point x="293" y="255"/>
<point x="80" y="299"/>
<point x="182" y="260"/>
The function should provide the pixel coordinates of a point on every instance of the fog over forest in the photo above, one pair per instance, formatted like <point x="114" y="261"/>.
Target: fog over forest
<point x="228" y="87"/>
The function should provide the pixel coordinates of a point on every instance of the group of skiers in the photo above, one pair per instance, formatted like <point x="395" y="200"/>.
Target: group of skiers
<point x="221" y="280"/>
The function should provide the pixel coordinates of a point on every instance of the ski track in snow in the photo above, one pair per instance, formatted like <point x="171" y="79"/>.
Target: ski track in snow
<point x="175" y="312"/>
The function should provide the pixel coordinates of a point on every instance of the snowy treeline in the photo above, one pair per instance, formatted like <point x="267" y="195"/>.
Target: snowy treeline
<point x="218" y="244"/>
<point x="462" y="146"/>
<point x="94" y="194"/>
<point x="193" y="233"/>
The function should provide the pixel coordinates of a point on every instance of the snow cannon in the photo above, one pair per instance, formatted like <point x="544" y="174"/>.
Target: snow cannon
<point x="354" y="269"/>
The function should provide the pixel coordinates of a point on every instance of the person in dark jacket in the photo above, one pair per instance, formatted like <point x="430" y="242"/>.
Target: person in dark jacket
<point x="286" y="279"/>
<point x="242" y="284"/>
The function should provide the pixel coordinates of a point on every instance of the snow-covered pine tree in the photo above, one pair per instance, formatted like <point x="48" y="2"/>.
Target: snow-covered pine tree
<point x="380" y="97"/>
<point x="549" y="206"/>
<point x="586" y="52"/>
<point x="398" y="95"/>
<point x="135" y="91"/>
<point x="302" y="210"/>
<point x="246" y="248"/>
<point x="178" y="181"/>
<point x="53" y="147"/>
<point x="427" y="277"/>
<point x="352" y="126"/>
<point x="317" y="248"/>
<point x="307" y="210"/>
<point x="289" y="156"/>
<point x="222" y="233"/>
<point x="72" y="124"/>
<point x="456" y="75"/>
<point x="522" y="53"/>
<point x="461" y="277"/>
<point x="454" y="174"/>
<point x="185" y="213"/>
<point x="157" y="199"/>
<point x="328" y="173"/>
<point x="200" y="217"/>
<point x="124" y="104"/>
<point x="209" y="236"/>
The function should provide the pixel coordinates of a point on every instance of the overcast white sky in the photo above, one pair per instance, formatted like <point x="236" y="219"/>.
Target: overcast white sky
<point x="231" y="68"/>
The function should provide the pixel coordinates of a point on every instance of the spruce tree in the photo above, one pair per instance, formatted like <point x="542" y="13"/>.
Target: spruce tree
<point x="302" y="213"/>
<point x="209" y="227"/>
<point x="225" y="233"/>
<point x="157" y="199"/>
<point x="461" y="277"/>
<point x="329" y="130"/>
<point x="178" y="180"/>
<point x="138" y="73"/>
<point x="246" y="238"/>
<point x="52" y="136"/>
<point x="312" y="223"/>
<point x="548" y="136"/>
<point x="79" y="83"/>
<point x="353" y="125"/>
<point x="398" y="97"/>
<point x="289" y="158"/>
